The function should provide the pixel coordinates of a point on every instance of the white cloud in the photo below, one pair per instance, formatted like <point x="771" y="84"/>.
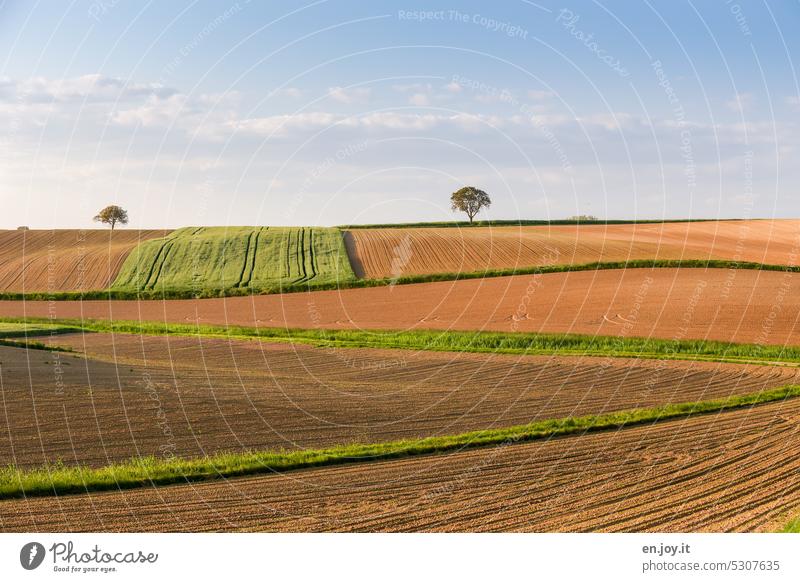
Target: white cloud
<point x="179" y="110"/>
<point x="215" y="127"/>
<point x="225" y="99"/>
<point x="741" y="102"/>
<point x="425" y="94"/>
<point x="291" y="92"/>
<point x="413" y="87"/>
<point x="400" y="121"/>
<point x="94" y="88"/>
<point x="612" y="121"/>
<point x="539" y="95"/>
<point x="387" y="120"/>
<point x="497" y="97"/>
<point x="420" y="99"/>
<point x="281" y="124"/>
<point x="349" y="96"/>
<point x="593" y="127"/>
<point x="91" y="104"/>
<point x="155" y="111"/>
<point x="92" y="98"/>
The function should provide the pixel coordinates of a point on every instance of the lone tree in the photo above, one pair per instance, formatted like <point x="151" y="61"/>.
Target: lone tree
<point x="470" y="200"/>
<point x="112" y="215"/>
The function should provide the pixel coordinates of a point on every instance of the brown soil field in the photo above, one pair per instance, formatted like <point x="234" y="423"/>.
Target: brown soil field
<point x="65" y="260"/>
<point x="395" y="252"/>
<point x="720" y="304"/>
<point x="137" y="396"/>
<point x="735" y="471"/>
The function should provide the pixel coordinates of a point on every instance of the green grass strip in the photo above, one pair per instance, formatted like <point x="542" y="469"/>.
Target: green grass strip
<point x="33" y="345"/>
<point x="792" y="527"/>
<point x="59" y="479"/>
<point x="18" y="328"/>
<point x="516" y="343"/>
<point x="17" y="333"/>
<point x="345" y="282"/>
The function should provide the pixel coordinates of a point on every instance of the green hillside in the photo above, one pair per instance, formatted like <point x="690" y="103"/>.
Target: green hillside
<point x="248" y="258"/>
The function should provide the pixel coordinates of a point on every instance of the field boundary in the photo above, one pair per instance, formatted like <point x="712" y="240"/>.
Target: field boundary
<point x="26" y="329"/>
<point x="311" y="285"/>
<point x="512" y="343"/>
<point x="33" y="345"/>
<point x="563" y="222"/>
<point x="60" y="479"/>
<point x="18" y="336"/>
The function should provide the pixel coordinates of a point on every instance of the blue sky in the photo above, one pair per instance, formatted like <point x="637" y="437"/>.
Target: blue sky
<point x="338" y="112"/>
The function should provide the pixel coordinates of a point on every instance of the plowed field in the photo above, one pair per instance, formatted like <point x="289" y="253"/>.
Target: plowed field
<point x="395" y="252"/>
<point x="65" y="260"/>
<point x="185" y="396"/>
<point x="728" y="305"/>
<point x="736" y="471"/>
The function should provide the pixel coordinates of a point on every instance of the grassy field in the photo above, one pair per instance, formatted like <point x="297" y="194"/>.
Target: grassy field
<point x="252" y="259"/>
<point x="60" y="479"/>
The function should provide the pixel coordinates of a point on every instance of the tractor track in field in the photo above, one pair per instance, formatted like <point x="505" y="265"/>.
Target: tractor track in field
<point x="252" y="255"/>
<point x="163" y="254"/>
<point x="244" y="261"/>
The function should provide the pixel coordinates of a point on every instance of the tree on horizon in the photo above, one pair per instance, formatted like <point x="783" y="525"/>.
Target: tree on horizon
<point x="470" y="200"/>
<point x="112" y="215"/>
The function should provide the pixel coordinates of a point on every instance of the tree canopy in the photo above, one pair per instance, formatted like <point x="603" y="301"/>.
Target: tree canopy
<point x="112" y="215"/>
<point x="470" y="200"/>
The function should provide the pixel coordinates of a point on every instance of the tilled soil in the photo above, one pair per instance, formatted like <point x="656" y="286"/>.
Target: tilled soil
<point x="396" y="252"/>
<point x="734" y="471"/>
<point x="137" y="396"/>
<point x="729" y="305"/>
<point x="65" y="260"/>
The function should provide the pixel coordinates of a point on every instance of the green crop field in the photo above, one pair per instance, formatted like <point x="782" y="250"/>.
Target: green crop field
<point x="222" y="258"/>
